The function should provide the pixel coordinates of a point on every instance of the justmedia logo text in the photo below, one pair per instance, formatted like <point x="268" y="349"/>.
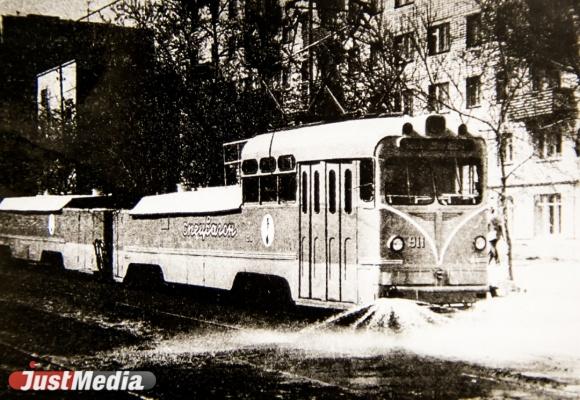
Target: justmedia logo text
<point x="81" y="380"/>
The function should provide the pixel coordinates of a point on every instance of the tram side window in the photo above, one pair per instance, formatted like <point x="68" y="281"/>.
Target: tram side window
<point x="316" y="192"/>
<point x="286" y="163"/>
<point x="268" y="188"/>
<point x="287" y="187"/>
<point x="249" y="166"/>
<point x="232" y="174"/>
<point x="267" y="164"/>
<point x="347" y="191"/>
<point x="304" y="196"/>
<point x="367" y="182"/>
<point x="332" y="192"/>
<point x="250" y="189"/>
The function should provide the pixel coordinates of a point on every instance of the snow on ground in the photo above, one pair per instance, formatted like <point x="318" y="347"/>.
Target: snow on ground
<point x="535" y="330"/>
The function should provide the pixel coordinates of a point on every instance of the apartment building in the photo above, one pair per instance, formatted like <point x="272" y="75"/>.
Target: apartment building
<point x="451" y="69"/>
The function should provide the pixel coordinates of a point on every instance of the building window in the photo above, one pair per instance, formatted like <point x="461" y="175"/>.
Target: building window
<point x="401" y="3"/>
<point x="354" y="61"/>
<point x="438" y="96"/>
<point x="375" y="51"/>
<point x="397" y="101"/>
<point x="404" y="46"/>
<point x="438" y="39"/>
<point x="69" y="110"/>
<point x="45" y="101"/>
<point x="403" y="102"/>
<point x="548" y="143"/>
<point x="233" y="9"/>
<point x="376" y="6"/>
<point x="507" y="148"/>
<point x="408" y="102"/>
<point x="232" y="46"/>
<point x="509" y="201"/>
<point x="543" y="79"/>
<point x="473" y="91"/>
<point x="473" y="30"/>
<point x="501" y="86"/>
<point x="548" y="214"/>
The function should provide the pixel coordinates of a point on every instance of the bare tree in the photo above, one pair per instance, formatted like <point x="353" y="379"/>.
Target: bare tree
<point x="483" y="76"/>
<point x="217" y="54"/>
<point x="340" y="61"/>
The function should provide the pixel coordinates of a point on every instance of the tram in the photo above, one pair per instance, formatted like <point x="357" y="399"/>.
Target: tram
<point x="340" y="213"/>
<point x="334" y="214"/>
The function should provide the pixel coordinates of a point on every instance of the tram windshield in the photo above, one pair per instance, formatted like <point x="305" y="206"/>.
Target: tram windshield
<point x="452" y="181"/>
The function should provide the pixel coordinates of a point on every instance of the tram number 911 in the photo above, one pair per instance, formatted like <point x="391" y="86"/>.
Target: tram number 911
<point x="416" y="242"/>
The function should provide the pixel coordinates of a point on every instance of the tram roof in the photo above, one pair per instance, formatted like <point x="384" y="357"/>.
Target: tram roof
<point x="205" y="200"/>
<point x="339" y="140"/>
<point x="40" y="203"/>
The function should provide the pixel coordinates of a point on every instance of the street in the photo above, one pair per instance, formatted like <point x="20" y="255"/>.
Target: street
<point x="201" y="344"/>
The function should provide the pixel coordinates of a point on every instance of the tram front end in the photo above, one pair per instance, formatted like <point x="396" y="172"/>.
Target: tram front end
<point x="432" y="216"/>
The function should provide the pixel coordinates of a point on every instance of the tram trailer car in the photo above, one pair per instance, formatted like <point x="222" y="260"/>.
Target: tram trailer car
<point x="72" y="231"/>
<point x="337" y="214"/>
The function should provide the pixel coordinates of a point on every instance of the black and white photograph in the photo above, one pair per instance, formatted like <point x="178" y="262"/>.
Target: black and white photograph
<point x="290" y="199"/>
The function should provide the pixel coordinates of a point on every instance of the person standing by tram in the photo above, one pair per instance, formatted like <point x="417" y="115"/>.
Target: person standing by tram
<point x="494" y="235"/>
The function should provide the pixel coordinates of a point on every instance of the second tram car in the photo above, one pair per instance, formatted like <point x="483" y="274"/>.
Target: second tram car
<point x="73" y="232"/>
<point x="338" y="213"/>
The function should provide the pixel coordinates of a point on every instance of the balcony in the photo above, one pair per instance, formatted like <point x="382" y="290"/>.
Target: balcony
<point x="544" y="102"/>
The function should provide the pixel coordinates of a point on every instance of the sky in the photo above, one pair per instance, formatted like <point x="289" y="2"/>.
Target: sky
<point x="66" y="9"/>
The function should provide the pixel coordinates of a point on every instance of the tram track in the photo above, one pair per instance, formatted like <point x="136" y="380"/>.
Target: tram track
<point x="103" y="310"/>
<point x="149" y="311"/>
<point x="49" y="362"/>
<point x="240" y="361"/>
<point x="179" y="316"/>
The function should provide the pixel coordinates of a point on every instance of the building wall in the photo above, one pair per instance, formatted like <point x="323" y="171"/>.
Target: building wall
<point x="108" y="58"/>
<point x="543" y="184"/>
<point x="111" y="65"/>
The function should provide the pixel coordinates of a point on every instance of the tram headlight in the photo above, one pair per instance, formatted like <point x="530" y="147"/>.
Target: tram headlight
<point x="480" y="243"/>
<point x="396" y="243"/>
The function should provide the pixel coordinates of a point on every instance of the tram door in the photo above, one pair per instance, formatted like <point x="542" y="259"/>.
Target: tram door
<point x="327" y="231"/>
<point x="312" y="231"/>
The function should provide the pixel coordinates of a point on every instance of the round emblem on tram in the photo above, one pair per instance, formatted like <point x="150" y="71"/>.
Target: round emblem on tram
<point x="267" y="230"/>
<point x="51" y="224"/>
